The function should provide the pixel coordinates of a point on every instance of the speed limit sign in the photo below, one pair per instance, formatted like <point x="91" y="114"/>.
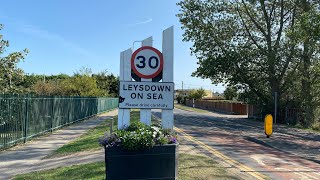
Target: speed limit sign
<point x="147" y="62"/>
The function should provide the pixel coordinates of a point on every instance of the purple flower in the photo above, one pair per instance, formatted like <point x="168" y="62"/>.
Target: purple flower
<point x="172" y="140"/>
<point x="103" y="140"/>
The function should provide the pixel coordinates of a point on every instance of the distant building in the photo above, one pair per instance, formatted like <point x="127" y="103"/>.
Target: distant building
<point x="186" y="92"/>
<point x="216" y="96"/>
<point x="209" y="94"/>
<point x="182" y="93"/>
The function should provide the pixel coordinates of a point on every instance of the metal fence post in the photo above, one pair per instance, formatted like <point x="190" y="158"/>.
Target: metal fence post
<point x="111" y="126"/>
<point x="26" y="121"/>
<point x="52" y="114"/>
<point x="275" y="107"/>
<point x="231" y="108"/>
<point x="286" y="115"/>
<point x="247" y="106"/>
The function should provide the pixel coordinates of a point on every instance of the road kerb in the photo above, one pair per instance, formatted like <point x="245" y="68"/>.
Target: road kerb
<point x="223" y="157"/>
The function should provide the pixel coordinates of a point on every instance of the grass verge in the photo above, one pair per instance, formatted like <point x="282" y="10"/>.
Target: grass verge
<point x="315" y="128"/>
<point x="201" y="167"/>
<point x="89" y="140"/>
<point x="187" y="108"/>
<point x="190" y="167"/>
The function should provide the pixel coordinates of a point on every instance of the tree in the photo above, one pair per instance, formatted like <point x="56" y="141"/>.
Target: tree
<point x="240" y="42"/>
<point x="197" y="94"/>
<point x="10" y="74"/>
<point x="28" y="81"/>
<point x="80" y="85"/>
<point x="307" y="35"/>
<point x="108" y="83"/>
<point x="254" y="44"/>
<point x="49" y="88"/>
<point x="230" y="92"/>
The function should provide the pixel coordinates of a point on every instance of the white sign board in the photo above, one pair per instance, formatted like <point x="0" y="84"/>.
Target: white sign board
<point x="146" y="95"/>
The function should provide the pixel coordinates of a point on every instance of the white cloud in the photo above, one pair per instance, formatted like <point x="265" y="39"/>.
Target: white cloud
<point x="141" y="22"/>
<point x="55" y="38"/>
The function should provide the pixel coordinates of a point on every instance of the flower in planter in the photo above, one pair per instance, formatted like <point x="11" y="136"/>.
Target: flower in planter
<point x="138" y="136"/>
<point x="109" y="139"/>
<point x="172" y="140"/>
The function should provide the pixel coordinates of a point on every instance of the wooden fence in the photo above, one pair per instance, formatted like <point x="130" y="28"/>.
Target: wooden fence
<point x="288" y="115"/>
<point x="254" y="112"/>
<point x="227" y="107"/>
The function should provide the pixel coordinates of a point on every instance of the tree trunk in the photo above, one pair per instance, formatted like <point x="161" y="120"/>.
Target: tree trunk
<point x="306" y="87"/>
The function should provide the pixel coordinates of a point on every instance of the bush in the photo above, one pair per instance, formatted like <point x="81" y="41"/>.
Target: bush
<point x="179" y="99"/>
<point x="316" y="126"/>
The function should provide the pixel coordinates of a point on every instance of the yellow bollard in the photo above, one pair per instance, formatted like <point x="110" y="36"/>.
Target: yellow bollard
<point x="268" y="123"/>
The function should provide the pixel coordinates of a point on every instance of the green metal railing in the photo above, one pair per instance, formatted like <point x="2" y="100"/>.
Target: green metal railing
<point x="22" y="117"/>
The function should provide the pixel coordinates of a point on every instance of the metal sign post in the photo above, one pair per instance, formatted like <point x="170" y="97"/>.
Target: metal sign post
<point x="145" y="114"/>
<point x="275" y="107"/>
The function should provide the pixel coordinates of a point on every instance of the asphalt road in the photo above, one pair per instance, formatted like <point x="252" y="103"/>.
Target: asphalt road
<point x="242" y="146"/>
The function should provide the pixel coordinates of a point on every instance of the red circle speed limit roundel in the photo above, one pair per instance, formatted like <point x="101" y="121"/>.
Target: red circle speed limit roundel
<point x="147" y="62"/>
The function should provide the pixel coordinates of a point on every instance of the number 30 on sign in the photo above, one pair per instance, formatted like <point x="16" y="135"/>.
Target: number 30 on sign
<point x="147" y="62"/>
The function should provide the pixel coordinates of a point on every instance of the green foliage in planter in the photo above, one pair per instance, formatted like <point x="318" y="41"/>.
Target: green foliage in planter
<point x="138" y="136"/>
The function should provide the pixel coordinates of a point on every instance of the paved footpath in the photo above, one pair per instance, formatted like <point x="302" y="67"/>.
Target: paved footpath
<point x="241" y="145"/>
<point x="28" y="157"/>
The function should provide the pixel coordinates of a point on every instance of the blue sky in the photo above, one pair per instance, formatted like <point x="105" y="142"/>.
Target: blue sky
<point x="64" y="36"/>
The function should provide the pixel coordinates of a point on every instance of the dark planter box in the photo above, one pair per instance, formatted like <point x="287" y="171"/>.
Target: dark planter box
<point x="159" y="162"/>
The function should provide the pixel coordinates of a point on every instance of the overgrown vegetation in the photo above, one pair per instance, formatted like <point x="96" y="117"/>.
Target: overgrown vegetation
<point x="81" y="83"/>
<point x="261" y="48"/>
